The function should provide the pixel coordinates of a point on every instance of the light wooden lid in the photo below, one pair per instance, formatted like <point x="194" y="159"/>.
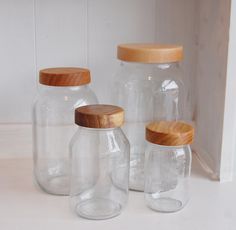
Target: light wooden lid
<point x="64" y="76"/>
<point x="169" y="133"/>
<point x="150" y="53"/>
<point x="99" y="116"/>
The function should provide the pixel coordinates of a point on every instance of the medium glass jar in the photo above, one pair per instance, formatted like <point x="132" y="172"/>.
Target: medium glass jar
<point x="168" y="165"/>
<point x="61" y="90"/>
<point x="149" y="87"/>
<point x="100" y="162"/>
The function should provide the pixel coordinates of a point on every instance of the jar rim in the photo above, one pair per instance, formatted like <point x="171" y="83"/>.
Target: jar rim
<point x="99" y="129"/>
<point x="168" y="146"/>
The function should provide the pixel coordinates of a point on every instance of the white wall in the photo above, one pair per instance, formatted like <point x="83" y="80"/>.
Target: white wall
<point x="211" y="77"/>
<point x="202" y="26"/>
<point x="61" y="38"/>
<point x="228" y="156"/>
<point x="17" y="60"/>
<point x="176" y="24"/>
<point x="111" y="22"/>
<point x="44" y="33"/>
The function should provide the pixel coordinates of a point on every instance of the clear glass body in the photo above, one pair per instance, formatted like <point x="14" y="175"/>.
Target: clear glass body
<point x="167" y="171"/>
<point x="147" y="92"/>
<point x="100" y="172"/>
<point x="53" y="128"/>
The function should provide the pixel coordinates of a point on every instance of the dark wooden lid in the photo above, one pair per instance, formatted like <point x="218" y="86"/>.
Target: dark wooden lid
<point x="64" y="76"/>
<point x="169" y="133"/>
<point x="99" y="116"/>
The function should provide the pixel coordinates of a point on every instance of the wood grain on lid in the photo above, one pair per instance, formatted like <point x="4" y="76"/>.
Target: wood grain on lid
<point x="150" y="53"/>
<point x="64" y="76"/>
<point x="169" y="133"/>
<point x="99" y="116"/>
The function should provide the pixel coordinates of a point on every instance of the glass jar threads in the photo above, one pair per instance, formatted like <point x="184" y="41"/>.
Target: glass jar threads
<point x="168" y="165"/>
<point x="61" y="91"/>
<point x="149" y="87"/>
<point x="100" y="162"/>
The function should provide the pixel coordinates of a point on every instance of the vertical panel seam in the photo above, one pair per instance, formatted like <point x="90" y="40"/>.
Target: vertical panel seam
<point x="35" y="42"/>
<point x="87" y="32"/>
<point x="156" y="24"/>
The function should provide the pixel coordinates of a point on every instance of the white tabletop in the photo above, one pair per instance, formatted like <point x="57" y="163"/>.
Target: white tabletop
<point x="24" y="206"/>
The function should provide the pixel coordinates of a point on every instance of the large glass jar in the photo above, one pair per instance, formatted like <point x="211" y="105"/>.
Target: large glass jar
<point x="149" y="87"/>
<point x="168" y="165"/>
<point x="61" y="90"/>
<point x="100" y="162"/>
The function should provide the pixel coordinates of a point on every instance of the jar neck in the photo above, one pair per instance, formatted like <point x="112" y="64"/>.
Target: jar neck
<point x="168" y="147"/>
<point x="60" y="89"/>
<point x="160" y="66"/>
<point x="99" y="129"/>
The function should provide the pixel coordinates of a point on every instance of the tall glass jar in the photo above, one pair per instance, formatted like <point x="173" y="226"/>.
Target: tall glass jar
<point x="100" y="162"/>
<point x="61" y="90"/>
<point x="168" y="165"/>
<point x="149" y="87"/>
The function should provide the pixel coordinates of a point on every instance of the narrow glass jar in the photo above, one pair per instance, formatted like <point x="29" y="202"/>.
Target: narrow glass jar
<point x="61" y="90"/>
<point x="100" y="163"/>
<point x="149" y="87"/>
<point x="168" y="165"/>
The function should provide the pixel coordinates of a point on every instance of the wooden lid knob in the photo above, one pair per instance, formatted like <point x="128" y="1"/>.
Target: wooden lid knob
<point x="169" y="133"/>
<point x="99" y="116"/>
<point x="150" y="53"/>
<point x="64" y="76"/>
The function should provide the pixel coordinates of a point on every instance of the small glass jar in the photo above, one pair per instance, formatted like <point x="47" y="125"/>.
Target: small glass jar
<point x="149" y="87"/>
<point x="100" y="163"/>
<point x="61" y="90"/>
<point x="168" y="165"/>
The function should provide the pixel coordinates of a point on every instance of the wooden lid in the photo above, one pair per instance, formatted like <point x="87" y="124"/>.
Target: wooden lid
<point x="169" y="133"/>
<point x="64" y="76"/>
<point x="99" y="116"/>
<point x="150" y="53"/>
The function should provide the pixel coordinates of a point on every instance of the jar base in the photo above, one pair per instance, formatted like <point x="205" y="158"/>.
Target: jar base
<point x="58" y="185"/>
<point x="98" y="209"/>
<point x="136" y="189"/>
<point x="136" y="177"/>
<point x="164" y="204"/>
<point x="136" y="185"/>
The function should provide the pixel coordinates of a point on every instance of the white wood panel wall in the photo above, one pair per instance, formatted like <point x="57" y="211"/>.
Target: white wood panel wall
<point x="61" y="33"/>
<point x="176" y="24"/>
<point x="211" y="77"/>
<point x="111" y="22"/>
<point x="17" y="60"/>
<point x="44" y="33"/>
<point x="228" y="150"/>
<point x="202" y="26"/>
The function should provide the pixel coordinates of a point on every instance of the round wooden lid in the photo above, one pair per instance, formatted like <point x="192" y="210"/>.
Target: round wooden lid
<point x="99" y="116"/>
<point x="150" y="53"/>
<point x="64" y="76"/>
<point x="169" y="133"/>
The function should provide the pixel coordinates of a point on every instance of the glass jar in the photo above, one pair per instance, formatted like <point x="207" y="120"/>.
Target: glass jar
<point x="100" y="162"/>
<point x="61" y="90"/>
<point x="168" y="165"/>
<point x="149" y="87"/>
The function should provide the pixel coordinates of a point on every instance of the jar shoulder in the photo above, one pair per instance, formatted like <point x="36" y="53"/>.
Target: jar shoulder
<point x="177" y="151"/>
<point x="126" y="76"/>
<point x="110" y="140"/>
<point x="65" y="98"/>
